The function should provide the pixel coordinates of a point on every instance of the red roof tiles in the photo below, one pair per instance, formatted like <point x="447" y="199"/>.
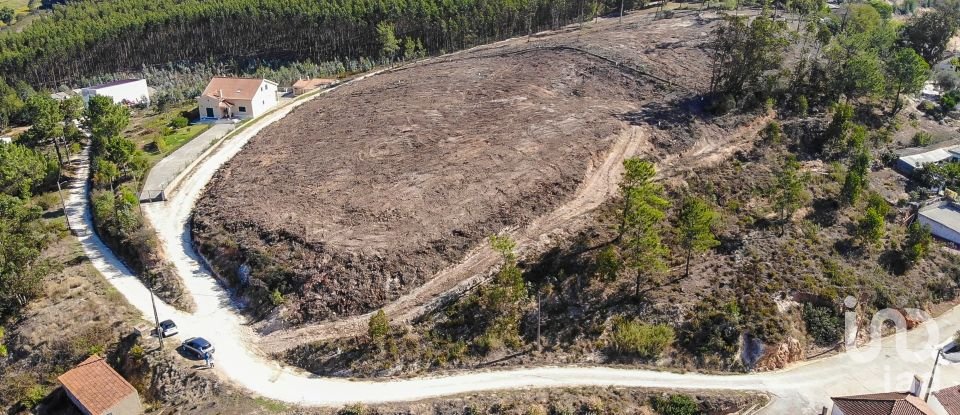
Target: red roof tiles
<point x="96" y="385"/>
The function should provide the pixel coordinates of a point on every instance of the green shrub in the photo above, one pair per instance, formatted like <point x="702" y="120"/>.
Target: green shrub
<point x="160" y="143"/>
<point x="950" y="100"/>
<point x="773" y="132"/>
<point x="608" y="264"/>
<point x="824" y="325"/>
<point x="928" y="107"/>
<point x="137" y="352"/>
<point x="179" y="122"/>
<point x="675" y="405"/>
<point x="378" y="327"/>
<point x="922" y="138"/>
<point x="276" y="298"/>
<point x="643" y="340"/>
<point x="33" y="396"/>
<point x="803" y="107"/>
<point x="355" y="409"/>
<point x="918" y="242"/>
<point x="3" y="348"/>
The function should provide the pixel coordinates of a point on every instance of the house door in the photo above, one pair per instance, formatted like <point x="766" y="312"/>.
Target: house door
<point x="209" y="112"/>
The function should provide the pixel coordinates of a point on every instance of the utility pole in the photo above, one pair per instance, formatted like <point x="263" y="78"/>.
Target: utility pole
<point x="932" y="372"/>
<point x="156" y="318"/>
<point x="63" y="204"/>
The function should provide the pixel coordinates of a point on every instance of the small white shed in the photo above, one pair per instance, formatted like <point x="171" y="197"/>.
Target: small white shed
<point x="124" y="91"/>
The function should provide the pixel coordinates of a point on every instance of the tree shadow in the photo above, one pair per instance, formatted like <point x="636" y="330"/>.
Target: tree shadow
<point x="668" y="115"/>
<point x="894" y="261"/>
<point x="824" y="212"/>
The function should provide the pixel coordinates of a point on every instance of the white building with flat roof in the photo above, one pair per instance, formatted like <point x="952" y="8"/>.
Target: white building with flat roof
<point x="908" y="163"/>
<point x="124" y="91"/>
<point x="943" y="218"/>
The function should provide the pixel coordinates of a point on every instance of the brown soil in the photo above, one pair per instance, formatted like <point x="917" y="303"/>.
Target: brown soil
<point x="369" y="191"/>
<point x="595" y="400"/>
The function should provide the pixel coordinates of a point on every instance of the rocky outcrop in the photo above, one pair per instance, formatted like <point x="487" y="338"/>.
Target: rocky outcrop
<point x="780" y="355"/>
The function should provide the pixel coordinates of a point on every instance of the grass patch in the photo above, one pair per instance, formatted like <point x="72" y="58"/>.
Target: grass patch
<point x="181" y="136"/>
<point x="271" y="405"/>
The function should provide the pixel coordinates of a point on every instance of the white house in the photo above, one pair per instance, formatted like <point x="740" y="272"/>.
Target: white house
<point x="237" y="98"/>
<point x="125" y="91"/>
<point x="913" y="159"/>
<point x="943" y="218"/>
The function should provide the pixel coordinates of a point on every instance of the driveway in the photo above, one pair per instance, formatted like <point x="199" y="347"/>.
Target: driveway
<point x="167" y="169"/>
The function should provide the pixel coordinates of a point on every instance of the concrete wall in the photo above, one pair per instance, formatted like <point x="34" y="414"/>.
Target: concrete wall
<point x="939" y="230"/>
<point x="77" y="402"/>
<point x="204" y="102"/>
<point x="128" y="406"/>
<point x="265" y="99"/>
<point x="134" y="92"/>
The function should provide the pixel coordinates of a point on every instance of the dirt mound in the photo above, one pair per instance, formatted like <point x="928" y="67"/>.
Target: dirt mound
<point x="360" y="195"/>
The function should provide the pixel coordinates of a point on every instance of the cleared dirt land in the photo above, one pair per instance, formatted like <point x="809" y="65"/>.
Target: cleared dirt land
<point x="367" y="192"/>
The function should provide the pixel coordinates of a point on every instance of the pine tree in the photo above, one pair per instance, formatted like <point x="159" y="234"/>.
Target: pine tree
<point x="642" y="219"/>
<point x="695" y="228"/>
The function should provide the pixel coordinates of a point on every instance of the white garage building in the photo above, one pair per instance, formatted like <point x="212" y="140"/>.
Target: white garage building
<point x="124" y="91"/>
<point x="943" y="218"/>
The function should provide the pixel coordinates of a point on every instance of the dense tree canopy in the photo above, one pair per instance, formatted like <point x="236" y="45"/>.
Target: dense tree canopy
<point x="85" y="38"/>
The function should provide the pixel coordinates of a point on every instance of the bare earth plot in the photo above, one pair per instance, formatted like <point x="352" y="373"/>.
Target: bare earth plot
<point x="370" y="190"/>
<point x="382" y="192"/>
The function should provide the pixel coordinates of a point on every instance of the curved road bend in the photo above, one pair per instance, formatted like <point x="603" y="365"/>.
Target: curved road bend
<point x="802" y="388"/>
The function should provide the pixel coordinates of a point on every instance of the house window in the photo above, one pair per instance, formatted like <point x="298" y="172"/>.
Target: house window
<point x="243" y="109"/>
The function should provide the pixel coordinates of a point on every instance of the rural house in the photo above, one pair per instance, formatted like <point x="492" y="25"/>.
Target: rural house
<point x="943" y="218"/>
<point x="96" y="389"/>
<point x="303" y="86"/>
<point x="891" y="403"/>
<point x="226" y="97"/>
<point x="914" y="158"/>
<point x="124" y="91"/>
<point x="948" y="399"/>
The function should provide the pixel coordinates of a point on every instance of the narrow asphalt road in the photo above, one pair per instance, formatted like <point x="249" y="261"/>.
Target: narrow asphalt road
<point x="802" y="388"/>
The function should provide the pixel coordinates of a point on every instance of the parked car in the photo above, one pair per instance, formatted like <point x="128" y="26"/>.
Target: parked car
<point x="198" y="346"/>
<point x="168" y="328"/>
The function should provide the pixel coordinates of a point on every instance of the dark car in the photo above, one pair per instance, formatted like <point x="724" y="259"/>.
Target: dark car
<point x="168" y="328"/>
<point x="198" y="346"/>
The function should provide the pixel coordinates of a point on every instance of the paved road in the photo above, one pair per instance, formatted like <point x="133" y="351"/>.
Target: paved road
<point x="803" y="388"/>
<point x="167" y="169"/>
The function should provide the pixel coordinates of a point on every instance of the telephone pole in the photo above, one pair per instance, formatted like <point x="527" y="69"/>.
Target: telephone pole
<point x="156" y="318"/>
<point x="932" y="372"/>
<point x="63" y="204"/>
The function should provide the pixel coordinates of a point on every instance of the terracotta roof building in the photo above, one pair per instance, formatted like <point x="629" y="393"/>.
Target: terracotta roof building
<point x="96" y="389"/>
<point x="949" y="399"/>
<point x="226" y="97"/>
<point x="892" y="403"/>
<point x="306" y="85"/>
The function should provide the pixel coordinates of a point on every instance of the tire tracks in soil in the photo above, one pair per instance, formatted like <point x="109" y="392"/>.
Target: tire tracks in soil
<point x="601" y="183"/>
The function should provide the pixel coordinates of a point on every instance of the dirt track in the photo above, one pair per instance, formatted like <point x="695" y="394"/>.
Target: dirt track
<point x="385" y="183"/>
<point x="396" y="181"/>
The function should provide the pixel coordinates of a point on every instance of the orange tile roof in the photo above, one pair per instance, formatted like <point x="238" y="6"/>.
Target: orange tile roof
<point x="313" y="82"/>
<point x="892" y="403"/>
<point x="96" y="385"/>
<point x="233" y="88"/>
